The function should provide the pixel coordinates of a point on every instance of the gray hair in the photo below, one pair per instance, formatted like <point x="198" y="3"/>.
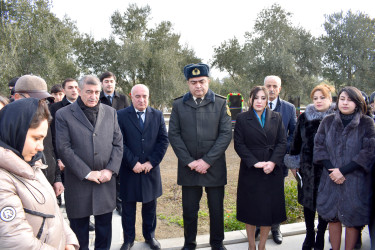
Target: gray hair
<point x="88" y="79"/>
<point x="276" y="78"/>
<point x="140" y="85"/>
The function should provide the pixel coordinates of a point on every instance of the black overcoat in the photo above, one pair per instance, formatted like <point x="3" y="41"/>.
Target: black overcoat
<point x="119" y="101"/>
<point x="84" y="148"/>
<point x="303" y="145"/>
<point x="200" y="132"/>
<point x="349" y="202"/>
<point x="260" y="196"/>
<point x="149" y="144"/>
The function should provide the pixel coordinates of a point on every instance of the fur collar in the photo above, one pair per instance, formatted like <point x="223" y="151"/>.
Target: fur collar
<point x="312" y="114"/>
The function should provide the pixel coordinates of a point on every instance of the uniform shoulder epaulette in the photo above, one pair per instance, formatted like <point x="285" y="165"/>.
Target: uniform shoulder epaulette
<point x="178" y="97"/>
<point x="220" y="96"/>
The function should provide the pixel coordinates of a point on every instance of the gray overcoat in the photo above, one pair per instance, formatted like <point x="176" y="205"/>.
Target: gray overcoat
<point x="200" y="132"/>
<point x="349" y="202"/>
<point x="84" y="148"/>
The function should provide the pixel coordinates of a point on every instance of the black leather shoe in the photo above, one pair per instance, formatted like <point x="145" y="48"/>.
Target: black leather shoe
<point x="153" y="243"/>
<point x="257" y="232"/>
<point x="186" y="248"/>
<point x="91" y="226"/>
<point x="277" y="236"/>
<point x="127" y="245"/>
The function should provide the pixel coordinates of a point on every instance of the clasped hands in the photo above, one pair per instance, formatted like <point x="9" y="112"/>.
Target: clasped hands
<point x="336" y="176"/>
<point x="101" y="176"/>
<point x="267" y="166"/>
<point x="199" y="165"/>
<point x="139" y="168"/>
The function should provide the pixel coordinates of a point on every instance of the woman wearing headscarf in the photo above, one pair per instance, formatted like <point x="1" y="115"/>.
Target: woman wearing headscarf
<point x="302" y="148"/>
<point x="345" y="145"/>
<point x="29" y="217"/>
<point x="260" y="141"/>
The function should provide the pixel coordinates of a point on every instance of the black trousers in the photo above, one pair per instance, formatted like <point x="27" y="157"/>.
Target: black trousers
<point x="103" y="231"/>
<point x="191" y="197"/>
<point x="148" y="220"/>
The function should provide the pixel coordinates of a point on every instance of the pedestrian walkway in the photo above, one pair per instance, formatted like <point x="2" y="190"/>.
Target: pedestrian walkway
<point x="294" y="235"/>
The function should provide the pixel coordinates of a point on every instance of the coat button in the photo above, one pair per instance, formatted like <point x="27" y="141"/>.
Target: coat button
<point x="94" y="134"/>
<point x="95" y="153"/>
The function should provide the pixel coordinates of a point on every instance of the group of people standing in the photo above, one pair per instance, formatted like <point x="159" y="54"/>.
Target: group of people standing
<point x="102" y="144"/>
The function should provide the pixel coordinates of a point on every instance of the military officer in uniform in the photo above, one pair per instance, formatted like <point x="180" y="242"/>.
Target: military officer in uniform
<point x="200" y="132"/>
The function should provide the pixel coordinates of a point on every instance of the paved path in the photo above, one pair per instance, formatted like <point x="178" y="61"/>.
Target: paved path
<point x="294" y="235"/>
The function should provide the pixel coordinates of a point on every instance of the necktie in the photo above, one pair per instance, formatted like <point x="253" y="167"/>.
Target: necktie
<point x="109" y="99"/>
<point x="270" y="105"/>
<point x="141" y="124"/>
<point x="198" y="100"/>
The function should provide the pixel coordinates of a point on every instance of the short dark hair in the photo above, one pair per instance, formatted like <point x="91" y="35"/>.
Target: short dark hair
<point x="42" y="113"/>
<point x="67" y="80"/>
<point x="56" y="88"/>
<point x="107" y="74"/>
<point x="356" y="96"/>
<point x="254" y="91"/>
<point x="12" y="82"/>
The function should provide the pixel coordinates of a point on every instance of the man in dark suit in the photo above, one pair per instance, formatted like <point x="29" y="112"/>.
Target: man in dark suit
<point x="110" y="97"/>
<point x="145" y="143"/>
<point x="89" y="143"/>
<point x="289" y="117"/>
<point x="200" y="131"/>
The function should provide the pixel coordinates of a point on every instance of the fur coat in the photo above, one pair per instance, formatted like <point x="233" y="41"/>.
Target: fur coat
<point x="348" y="202"/>
<point x="303" y="145"/>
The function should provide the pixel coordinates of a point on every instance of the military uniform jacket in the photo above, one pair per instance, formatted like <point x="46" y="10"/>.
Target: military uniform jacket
<point x="200" y="132"/>
<point x="84" y="148"/>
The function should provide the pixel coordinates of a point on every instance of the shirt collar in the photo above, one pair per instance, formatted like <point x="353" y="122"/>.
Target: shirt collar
<point x="274" y="103"/>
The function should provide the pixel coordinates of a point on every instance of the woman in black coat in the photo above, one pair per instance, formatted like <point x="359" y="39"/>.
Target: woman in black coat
<point x="345" y="145"/>
<point x="260" y="141"/>
<point x="303" y="147"/>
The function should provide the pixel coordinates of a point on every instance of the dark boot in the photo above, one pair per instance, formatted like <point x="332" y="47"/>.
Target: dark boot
<point x="358" y="244"/>
<point x="309" y="242"/>
<point x="319" y="241"/>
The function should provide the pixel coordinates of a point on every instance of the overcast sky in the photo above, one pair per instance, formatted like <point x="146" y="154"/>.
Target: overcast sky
<point x="205" y="24"/>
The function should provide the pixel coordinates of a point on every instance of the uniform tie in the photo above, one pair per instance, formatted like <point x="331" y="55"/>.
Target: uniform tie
<point x="270" y="105"/>
<point x="141" y="124"/>
<point x="198" y="100"/>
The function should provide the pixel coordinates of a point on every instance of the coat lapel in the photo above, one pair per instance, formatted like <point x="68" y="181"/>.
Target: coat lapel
<point x="254" y="123"/>
<point x="134" y="118"/>
<point x="80" y="116"/>
<point x="149" y="118"/>
<point x="269" y="120"/>
<point x="100" y="117"/>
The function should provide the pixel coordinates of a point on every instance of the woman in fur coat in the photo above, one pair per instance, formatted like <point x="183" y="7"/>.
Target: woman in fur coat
<point x="303" y="146"/>
<point x="345" y="145"/>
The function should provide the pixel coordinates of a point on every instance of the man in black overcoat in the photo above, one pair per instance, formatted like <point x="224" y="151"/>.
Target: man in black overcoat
<point x="200" y="131"/>
<point x="145" y="143"/>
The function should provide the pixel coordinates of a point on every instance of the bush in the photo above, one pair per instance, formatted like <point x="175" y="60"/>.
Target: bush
<point x="230" y="221"/>
<point x="294" y="211"/>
